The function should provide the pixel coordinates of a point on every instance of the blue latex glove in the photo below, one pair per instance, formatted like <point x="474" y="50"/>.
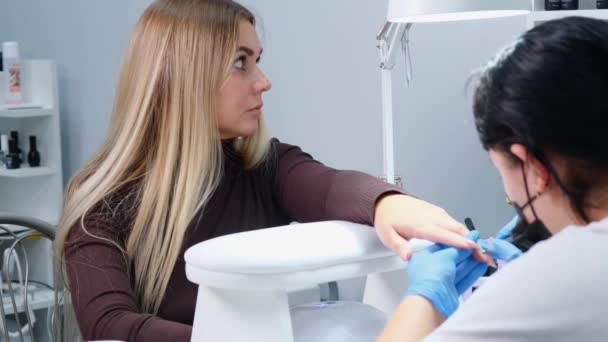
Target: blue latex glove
<point x="499" y="248"/>
<point x="468" y="272"/>
<point x="505" y="232"/>
<point x="440" y="274"/>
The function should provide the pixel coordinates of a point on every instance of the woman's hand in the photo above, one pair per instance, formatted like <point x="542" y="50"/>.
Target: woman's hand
<point x="399" y="218"/>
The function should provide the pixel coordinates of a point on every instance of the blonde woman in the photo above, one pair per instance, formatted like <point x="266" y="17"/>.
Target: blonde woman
<point x="187" y="160"/>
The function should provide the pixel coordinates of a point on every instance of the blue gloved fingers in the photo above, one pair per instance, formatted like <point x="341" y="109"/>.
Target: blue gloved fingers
<point x="457" y="255"/>
<point x="475" y="270"/>
<point x="505" y="232"/>
<point x="431" y="274"/>
<point x="463" y="268"/>
<point x="433" y="248"/>
<point x="427" y="251"/>
<point x="500" y="249"/>
<point x="473" y="235"/>
<point x="461" y="253"/>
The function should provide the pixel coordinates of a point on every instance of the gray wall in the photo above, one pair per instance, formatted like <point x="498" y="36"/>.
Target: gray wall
<point x="3" y="21"/>
<point x="326" y="94"/>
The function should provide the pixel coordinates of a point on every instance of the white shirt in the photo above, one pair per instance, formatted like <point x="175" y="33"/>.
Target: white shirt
<point x="558" y="291"/>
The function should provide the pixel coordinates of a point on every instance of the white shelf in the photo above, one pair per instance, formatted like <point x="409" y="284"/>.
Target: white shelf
<point x="26" y="172"/>
<point x="25" y="112"/>
<point x="539" y="16"/>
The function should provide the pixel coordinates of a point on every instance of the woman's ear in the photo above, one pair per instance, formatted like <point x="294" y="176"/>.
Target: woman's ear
<point x="541" y="173"/>
<point x="520" y="152"/>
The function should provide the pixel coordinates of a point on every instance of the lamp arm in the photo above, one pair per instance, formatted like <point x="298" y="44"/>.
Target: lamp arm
<point x="388" y="37"/>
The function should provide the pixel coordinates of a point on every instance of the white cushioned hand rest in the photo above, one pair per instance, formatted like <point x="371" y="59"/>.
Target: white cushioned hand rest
<point x="291" y="256"/>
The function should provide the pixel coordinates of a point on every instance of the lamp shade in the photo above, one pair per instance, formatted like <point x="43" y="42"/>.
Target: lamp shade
<point x="420" y="11"/>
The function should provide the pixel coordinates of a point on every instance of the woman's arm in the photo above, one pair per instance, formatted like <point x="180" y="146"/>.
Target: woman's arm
<point x="309" y="191"/>
<point x="102" y="295"/>
<point x="414" y="319"/>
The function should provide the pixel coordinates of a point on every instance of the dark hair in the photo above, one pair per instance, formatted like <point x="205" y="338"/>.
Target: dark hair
<point x="549" y="92"/>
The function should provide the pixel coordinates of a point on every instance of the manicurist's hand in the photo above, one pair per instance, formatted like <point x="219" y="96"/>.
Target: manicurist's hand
<point x="499" y="248"/>
<point x="441" y="274"/>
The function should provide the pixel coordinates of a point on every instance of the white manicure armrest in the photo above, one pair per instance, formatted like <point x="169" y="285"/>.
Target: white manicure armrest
<point x="291" y="257"/>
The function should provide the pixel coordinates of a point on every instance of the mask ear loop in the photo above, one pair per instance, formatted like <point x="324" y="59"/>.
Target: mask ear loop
<point x="530" y="199"/>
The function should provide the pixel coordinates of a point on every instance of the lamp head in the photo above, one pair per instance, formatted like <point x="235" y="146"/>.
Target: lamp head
<point x="422" y="11"/>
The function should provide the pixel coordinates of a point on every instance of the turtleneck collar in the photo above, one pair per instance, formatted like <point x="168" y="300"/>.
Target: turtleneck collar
<point x="230" y="154"/>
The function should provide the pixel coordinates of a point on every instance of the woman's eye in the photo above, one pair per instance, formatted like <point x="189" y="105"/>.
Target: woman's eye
<point x="240" y="63"/>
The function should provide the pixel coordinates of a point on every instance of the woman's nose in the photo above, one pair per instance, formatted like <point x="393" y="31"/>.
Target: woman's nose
<point x="262" y="84"/>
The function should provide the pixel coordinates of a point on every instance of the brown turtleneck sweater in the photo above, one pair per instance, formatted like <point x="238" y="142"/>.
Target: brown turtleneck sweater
<point x="290" y="186"/>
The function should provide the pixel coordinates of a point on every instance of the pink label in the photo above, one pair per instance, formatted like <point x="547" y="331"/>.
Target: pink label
<point x="14" y="78"/>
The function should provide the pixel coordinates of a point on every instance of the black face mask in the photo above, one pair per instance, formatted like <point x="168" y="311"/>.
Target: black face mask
<point x="525" y="234"/>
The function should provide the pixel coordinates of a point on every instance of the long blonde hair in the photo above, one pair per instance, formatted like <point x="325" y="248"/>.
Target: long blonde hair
<point x="164" y="135"/>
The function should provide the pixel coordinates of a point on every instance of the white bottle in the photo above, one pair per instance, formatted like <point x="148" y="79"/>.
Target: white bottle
<point x="12" y="73"/>
<point x="3" y="150"/>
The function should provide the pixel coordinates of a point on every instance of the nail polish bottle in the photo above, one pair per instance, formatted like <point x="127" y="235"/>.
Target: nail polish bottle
<point x="33" y="158"/>
<point x="12" y="159"/>
<point x="15" y="136"/>
<point x="553" y="5"/>
<point x="569" y="4"/>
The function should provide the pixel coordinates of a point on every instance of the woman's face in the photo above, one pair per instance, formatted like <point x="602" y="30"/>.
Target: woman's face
<point x="240" y="98"/>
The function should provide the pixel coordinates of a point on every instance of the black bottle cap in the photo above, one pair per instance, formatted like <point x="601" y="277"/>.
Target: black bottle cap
<point x="32" y="142"/>
<point x="1" y="66"/>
